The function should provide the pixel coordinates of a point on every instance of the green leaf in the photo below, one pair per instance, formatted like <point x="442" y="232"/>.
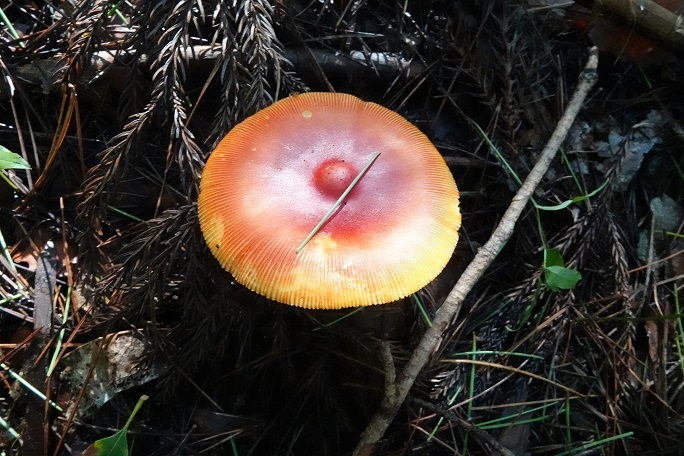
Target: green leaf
<point x="560" y="277"/>
<point x="117" y="444"/>
<point x="552" y="257"/>
<point x="556" y="207"/>
<point x="567" y="203"/>
<point x="556" y="275"/>
<point x="10" y="160"/>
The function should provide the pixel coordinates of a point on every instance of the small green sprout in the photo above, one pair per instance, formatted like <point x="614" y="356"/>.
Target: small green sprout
<point x="556" y="275"/>
<point x="117" y="444"/>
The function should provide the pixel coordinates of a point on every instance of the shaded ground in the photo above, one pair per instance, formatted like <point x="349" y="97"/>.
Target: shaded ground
<point x="108" y="287"/>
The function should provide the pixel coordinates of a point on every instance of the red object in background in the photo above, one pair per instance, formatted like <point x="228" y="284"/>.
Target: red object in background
<point x="621" y="40"/>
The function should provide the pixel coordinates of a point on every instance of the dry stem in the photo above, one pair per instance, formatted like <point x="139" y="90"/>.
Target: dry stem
<point x="485" y="256"/>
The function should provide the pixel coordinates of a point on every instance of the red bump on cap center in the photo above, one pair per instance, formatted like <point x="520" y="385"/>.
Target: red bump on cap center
<point x="332" y="177"/>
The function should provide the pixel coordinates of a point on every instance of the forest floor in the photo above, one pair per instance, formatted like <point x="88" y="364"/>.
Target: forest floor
<point x="571" y="342"/>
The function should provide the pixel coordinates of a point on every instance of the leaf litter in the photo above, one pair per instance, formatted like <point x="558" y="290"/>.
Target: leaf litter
<point x="116" y="117"/>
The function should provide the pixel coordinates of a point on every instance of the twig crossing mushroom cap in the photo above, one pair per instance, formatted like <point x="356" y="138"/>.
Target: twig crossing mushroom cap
<point x="276" y="174"/>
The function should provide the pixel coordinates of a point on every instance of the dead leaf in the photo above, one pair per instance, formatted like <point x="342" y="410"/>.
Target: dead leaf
<point x="117" y="368"/>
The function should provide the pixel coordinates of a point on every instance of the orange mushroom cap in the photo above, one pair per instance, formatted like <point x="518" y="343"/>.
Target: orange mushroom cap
<point x="274" y="176"/>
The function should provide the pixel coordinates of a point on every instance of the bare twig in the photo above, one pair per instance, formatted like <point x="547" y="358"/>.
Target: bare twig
<point x="392" y="402"/>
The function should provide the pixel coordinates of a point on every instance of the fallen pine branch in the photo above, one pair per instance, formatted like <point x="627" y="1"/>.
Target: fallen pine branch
<point x="48" y="73"/>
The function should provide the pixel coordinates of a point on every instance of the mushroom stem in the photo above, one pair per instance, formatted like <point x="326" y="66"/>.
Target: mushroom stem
<point x="338" y="203"/>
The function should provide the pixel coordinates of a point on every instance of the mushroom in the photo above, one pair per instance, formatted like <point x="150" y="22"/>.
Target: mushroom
<point x="274" y="177"/>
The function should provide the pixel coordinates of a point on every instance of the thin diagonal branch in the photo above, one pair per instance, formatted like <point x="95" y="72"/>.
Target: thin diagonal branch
<point x="485" y="256"/>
